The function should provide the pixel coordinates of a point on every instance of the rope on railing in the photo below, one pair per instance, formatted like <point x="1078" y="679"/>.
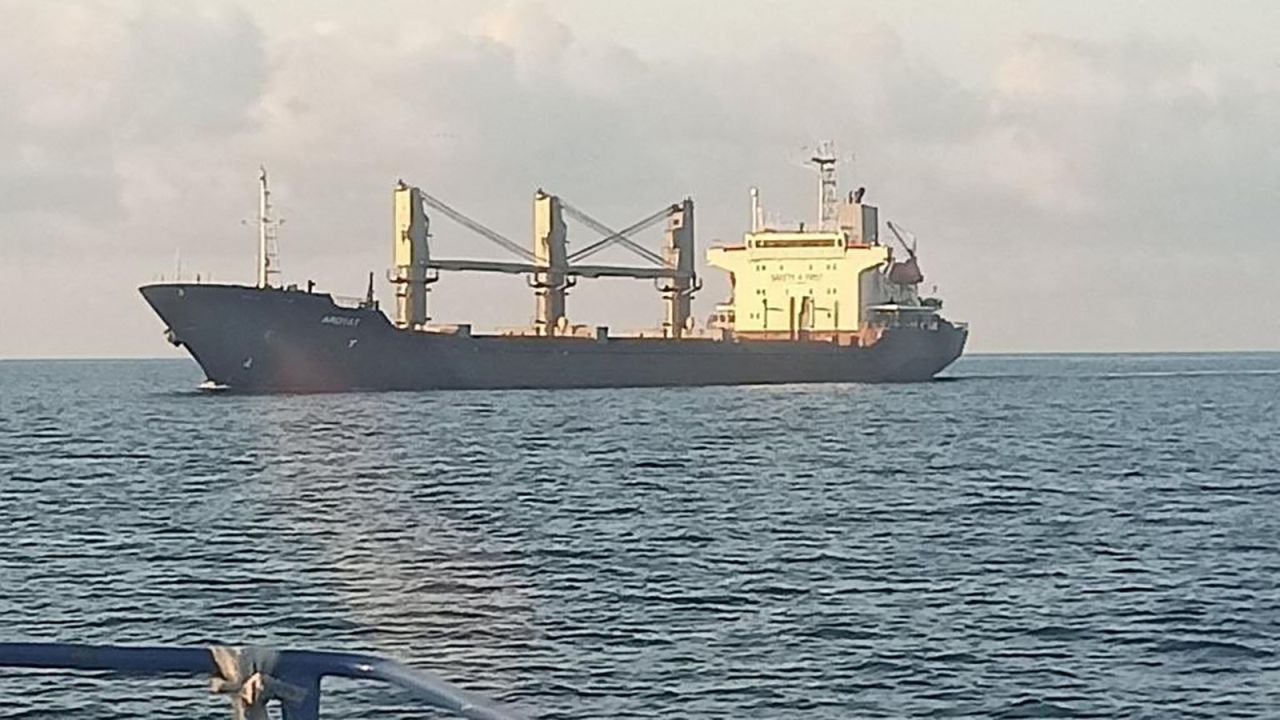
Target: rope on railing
<point x="245" y="675"/>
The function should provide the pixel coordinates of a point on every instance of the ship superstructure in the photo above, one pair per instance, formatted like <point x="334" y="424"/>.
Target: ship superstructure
<point x="836" y="283"/>
<point x="827" y="304"/>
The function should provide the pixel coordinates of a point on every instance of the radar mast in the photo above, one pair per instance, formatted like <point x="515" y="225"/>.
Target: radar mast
<point x="828" y="206"/>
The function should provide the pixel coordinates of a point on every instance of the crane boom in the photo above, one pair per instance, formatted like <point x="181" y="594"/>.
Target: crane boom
<point x="612" y="236"/>
<point x="481" y="230"/>
<point x="911" y="251"/>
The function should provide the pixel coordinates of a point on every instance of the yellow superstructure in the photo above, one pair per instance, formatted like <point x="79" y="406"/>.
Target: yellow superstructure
<point x="821" y="284"/>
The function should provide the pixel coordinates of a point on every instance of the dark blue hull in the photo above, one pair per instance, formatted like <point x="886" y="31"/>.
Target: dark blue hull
<point x="292" y="341"/>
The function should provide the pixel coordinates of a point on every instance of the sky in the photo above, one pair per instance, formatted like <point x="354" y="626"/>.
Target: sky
<point x="1084" y="176"/>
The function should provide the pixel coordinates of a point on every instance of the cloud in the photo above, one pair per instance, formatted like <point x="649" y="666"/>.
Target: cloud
<point x="1135" y="131"/>
<point x="93" y="89"/>
<point x="194" y="72"/>
<point x="129" y="131"/>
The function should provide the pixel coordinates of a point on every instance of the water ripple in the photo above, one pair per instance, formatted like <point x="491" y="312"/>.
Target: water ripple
<point x="1073" y="536"/>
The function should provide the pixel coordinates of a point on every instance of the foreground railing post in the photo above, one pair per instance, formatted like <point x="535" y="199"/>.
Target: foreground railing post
<point x="308" y="708"/>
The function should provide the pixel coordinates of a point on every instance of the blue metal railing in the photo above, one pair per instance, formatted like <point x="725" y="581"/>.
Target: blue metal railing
<point x="300" y="670"/>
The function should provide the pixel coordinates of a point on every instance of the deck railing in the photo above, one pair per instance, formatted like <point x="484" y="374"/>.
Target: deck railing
<point x="254" y="678"/>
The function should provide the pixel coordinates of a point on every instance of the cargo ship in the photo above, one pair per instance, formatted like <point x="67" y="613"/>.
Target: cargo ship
<point x="830" y="303"/>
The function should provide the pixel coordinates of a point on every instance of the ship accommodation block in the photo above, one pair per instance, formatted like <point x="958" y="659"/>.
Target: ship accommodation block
<point x="807" y="285"/>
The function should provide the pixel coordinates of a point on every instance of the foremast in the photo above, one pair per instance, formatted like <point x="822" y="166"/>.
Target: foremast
<point x="268" y="250"/>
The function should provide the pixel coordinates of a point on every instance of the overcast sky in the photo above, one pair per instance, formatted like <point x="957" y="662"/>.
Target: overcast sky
<point x="1085" y="176"/>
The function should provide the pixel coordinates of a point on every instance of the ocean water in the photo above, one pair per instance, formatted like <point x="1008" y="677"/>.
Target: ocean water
<point x="1040" y="536"/>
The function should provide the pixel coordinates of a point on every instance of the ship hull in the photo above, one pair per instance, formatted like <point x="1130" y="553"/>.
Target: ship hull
<point x="272" y="340"/>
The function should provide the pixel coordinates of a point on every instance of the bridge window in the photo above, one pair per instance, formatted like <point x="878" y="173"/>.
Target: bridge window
<point x="796" y="242"/>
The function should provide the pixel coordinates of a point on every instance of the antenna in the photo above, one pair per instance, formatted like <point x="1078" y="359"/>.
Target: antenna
<point x="757" y="223"/>
<point x="825" y="160"/>
<point x="268" y="249"/>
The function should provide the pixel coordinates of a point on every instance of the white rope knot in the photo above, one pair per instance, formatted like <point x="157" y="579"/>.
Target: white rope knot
<point x="245" y="675"/>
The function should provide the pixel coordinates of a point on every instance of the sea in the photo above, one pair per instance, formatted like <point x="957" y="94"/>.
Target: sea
<point x="1028" y="536"/>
